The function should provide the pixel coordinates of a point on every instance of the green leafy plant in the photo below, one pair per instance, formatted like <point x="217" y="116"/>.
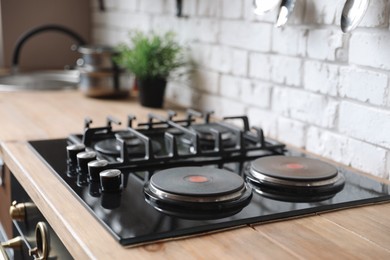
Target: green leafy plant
<point x="150" y="56"/>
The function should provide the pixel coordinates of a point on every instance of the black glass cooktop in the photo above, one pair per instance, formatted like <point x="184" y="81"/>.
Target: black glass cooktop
<point x="132" y="220"/>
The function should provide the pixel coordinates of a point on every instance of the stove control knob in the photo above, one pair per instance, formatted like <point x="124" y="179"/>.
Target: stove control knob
<point x="17" y="211"/>
<point x="22" y="211"/>
<point x="83" y="159"/>
<point x="111" y="180"/>
<point x="73" y="150"/>
<point x="95" y="167"/>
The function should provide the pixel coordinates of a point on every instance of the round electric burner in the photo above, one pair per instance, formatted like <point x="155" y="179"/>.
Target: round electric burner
<point x="294" y="178"/>
<point x="135" y="147"/>
<point x="293" y="168"/>
<point x="206" y="137"/>
<point x="197" y="192"/>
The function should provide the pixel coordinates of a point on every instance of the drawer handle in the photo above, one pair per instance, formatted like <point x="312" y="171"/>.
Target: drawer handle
<point x="15" y="243"/>
<point x="41" y="251"/>
<point x="3" y="254"/>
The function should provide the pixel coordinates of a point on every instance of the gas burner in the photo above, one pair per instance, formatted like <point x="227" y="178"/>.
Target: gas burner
<point x="296" y="179"/>
<point x="207" y="138"/>
<point x="197" y="192"/>
<point x="135" y="147"/>
<point x="175" y="131"/>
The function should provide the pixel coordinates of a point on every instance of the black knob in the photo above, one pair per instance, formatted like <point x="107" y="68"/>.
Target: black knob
<point x="111" y="200"/>
<point x="73" y="150"/>
<point x="95" y="167"/>
<point x="83" y="159"/>
<point x="94" y="189"/>
<point x="111" y="180"/>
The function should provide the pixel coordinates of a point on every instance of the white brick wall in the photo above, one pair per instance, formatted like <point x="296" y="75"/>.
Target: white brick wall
<point x="377" y="14"/>
<point x="289" y="41"/>
<point x="260" y="66"/>
<point x="286" y="70"/>
<point x="291" y="132"/>
<point x="364" y="85"/>
<point x="231" y="9"/>
<point x="323" y="12"/>
<point x="325" y="44"/>
<point x="209" y="8"/>
<point x="367" y="124"/>
<point x="321" y="77"/>
<point x="306" y="84"/>
<point x="251" y="36"/>
<point x="370" y="49"/>
<point x="152" y="6"/>
<point x="305" y="106"/>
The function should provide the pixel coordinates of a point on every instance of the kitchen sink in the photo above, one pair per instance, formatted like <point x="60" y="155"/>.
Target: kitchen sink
<point x="40" y="80"/>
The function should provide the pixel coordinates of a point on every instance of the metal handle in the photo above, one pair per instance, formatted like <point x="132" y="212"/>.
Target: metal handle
<point x="21" y="41"/>
<point x="3" y="254"/>
<point x="41" y="251"/>
<point x="15" y="243"/>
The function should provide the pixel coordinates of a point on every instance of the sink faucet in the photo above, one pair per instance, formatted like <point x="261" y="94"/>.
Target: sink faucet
<point x="37" y="30"/>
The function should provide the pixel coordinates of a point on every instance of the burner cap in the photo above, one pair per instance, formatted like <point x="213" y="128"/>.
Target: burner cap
<point x="207" y="139"/>
<point x="205" y="134"/>
<point x="175" y="131"/>
<point x="294" y="168"/>
<point x="135" y="147"/>
<point x="130" y="138"/>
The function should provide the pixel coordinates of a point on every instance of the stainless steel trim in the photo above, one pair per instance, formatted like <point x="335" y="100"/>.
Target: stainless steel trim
<point x="181" y="198"/>
<point x="276" y="181"/>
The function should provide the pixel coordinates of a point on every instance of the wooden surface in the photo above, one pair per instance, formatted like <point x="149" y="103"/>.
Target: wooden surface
<point x="37" y="115"/>
<point x="358" y="233"/>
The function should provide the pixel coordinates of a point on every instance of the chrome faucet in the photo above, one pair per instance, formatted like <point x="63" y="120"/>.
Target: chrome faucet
<point x="22" y="39"/>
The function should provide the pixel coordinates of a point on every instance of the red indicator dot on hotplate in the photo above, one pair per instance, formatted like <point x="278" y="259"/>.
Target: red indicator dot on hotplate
<point x="294" y="166"/>
<point x="197" y="178"/>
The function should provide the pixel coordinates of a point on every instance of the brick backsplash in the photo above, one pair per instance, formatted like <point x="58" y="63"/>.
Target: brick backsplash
<point x="306" y="84"/>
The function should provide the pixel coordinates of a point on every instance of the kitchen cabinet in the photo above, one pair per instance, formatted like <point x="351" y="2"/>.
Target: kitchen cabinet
<point x="5" y="201"/>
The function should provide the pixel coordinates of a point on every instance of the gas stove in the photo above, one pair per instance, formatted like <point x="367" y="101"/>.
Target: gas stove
<point x="168" y="178"/>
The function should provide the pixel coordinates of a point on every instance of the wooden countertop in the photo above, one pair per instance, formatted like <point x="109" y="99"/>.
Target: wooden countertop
<point x="357" y="233"/>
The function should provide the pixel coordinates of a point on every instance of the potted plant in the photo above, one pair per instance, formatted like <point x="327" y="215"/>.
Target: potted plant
<point x="151" y="58"/>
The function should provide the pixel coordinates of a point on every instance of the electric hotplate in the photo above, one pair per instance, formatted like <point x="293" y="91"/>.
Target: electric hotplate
<point x="133" y="220"/>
